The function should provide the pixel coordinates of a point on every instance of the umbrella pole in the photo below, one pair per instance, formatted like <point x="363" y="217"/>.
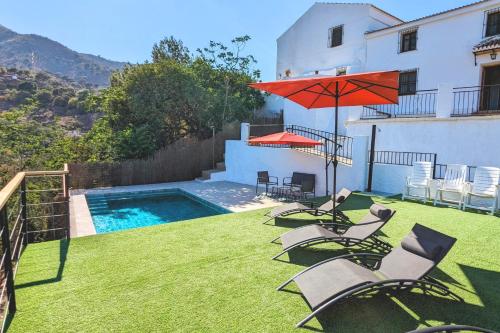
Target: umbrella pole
<point x="335" y="162"/>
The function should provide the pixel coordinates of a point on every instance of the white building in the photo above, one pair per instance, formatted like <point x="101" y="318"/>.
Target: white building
<point x="449" y="86"/>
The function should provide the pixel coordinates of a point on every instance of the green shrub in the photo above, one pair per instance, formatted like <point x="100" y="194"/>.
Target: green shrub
<point x="44" y="97"/>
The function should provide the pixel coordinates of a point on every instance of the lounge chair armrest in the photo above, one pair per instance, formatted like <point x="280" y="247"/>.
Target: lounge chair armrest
<point x="287" y="181"/>
<point x="273" y="180"/>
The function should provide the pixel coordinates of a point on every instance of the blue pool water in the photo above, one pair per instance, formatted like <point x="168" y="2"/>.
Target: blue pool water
<point x="126" y="210"/>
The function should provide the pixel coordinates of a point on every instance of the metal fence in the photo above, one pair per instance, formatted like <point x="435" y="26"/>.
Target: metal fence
<point x="344" y="143"/>
<point x="402" y="157"/>
<point x="421" y="104"/>
<point x="476" y="101"/>
<point x="440" y="171"/>
<point x="34" y="206"/>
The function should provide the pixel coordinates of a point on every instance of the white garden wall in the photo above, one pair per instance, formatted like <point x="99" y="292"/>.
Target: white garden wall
<point x="243" y="162"/>
<point x="473" y="141"/>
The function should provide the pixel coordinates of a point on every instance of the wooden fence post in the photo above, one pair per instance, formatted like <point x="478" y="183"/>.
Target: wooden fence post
<point x="9" y="275"/>
<point x="24" y="213"/>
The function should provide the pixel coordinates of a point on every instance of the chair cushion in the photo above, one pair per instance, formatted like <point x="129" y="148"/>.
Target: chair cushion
<point x="422" y="247"/>
<point x="380" y="211"/>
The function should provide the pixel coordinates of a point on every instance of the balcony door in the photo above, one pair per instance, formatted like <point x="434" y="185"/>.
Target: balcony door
<point x="490" y="92"/>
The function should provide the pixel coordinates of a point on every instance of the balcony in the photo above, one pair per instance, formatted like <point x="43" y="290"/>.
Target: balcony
<point x="476" y="101"/>
<point x="421" y="104"/>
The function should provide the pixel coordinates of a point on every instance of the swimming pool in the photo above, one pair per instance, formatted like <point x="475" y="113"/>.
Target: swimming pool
<point x="125" y="210"/>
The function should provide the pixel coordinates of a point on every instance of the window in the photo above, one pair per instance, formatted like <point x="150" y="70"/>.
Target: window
<point x="408" y="41"/>
<point x="493" y="24"/>
<point x="408" y="82"/>
<point x="341" y="71"/>
<point x="335" y="35"/>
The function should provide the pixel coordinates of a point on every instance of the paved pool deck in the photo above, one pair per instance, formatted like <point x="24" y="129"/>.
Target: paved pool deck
<point x="231" y="196"/>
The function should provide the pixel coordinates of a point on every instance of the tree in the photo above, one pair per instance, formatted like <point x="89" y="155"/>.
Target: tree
<point x="153" y="104"/>
<point x="226" y="70"/>
<point x="170" y="48"/>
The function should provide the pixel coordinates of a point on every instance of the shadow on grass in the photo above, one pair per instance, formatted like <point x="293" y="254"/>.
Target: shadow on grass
<point x="63" y="253"/>
<point x="408" y="310"/>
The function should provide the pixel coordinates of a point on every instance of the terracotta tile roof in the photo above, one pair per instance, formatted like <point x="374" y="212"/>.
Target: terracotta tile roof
<point x="431" y="15"/>
<point x="486" y="44"/>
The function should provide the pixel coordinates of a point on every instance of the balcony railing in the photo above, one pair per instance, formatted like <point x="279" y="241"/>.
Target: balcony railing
<point x="34" y="207"/>
<point x="421" y="104"/>
<point x="344" y="143"/>
<point x="476" y="101"/>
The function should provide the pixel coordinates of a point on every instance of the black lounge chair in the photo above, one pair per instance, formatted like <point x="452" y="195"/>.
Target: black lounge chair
<point x="452" y="328"/>
<point x="345" y="234"/>
<point x="301" y="207"/>
<point x="406" y="267"/>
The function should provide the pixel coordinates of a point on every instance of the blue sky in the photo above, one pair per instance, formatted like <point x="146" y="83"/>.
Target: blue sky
<point x="126" y="30"/>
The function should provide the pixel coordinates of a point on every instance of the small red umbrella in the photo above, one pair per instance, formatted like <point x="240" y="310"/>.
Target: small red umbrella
<point x="334" y="91"/>
<point x="284" y="138"/>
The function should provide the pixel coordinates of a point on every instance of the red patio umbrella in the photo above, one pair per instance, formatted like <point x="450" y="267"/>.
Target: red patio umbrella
<point x="333" y="91"/>
<point x="285" y="138"/>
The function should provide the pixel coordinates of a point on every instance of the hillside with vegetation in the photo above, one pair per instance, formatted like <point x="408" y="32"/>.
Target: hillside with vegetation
<point x="28" y="51"/>
<point x="46" y="121"/>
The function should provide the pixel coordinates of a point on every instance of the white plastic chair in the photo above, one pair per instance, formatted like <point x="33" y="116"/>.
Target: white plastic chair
<point x="453" y="183"/>
<point x="485" y="187"/>
<point x="419" y="180"/>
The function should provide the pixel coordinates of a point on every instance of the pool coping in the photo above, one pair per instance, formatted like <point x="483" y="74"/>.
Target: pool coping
<point x="81" y="223"/>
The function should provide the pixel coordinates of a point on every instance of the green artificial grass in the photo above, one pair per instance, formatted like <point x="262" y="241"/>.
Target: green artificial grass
<point x="215" y="275"/>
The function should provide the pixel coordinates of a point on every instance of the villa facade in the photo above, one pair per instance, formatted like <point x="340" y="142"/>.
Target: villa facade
<point x="449" y="104"/>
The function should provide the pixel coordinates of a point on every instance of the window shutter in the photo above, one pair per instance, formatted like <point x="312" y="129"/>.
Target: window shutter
<point x="330" y="33"/>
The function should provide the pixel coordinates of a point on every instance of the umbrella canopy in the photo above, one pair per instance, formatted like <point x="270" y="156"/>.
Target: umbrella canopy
<point x="285" y="138"/>
<point x="333" y="91"/>
<point x="320" y="92"/>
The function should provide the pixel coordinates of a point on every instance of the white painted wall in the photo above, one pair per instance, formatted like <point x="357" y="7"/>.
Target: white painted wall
<point x="243" y="162"/>
<point x="273" y="106"/>
<point x="473" y="141"/>
<point x="444" y="48"/>
<point x="303" y="49"/>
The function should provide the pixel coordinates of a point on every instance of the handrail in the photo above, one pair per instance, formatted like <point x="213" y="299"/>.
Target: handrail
<point x="15" y="239"/>
<point x="9" y="189"/>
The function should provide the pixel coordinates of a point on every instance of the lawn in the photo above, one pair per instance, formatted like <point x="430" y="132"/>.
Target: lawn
<point x="215" y="275"/>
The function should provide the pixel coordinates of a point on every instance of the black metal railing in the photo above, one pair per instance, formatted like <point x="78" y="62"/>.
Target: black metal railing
<point x="265" y="129"/>
<point x="421" y="104"/>
<point x="32" y="209"/>
<point x="476" y="101"/>
<point x="440" y="171"/>
<point x="344" y="143"/>
<point x="402" y="157"/>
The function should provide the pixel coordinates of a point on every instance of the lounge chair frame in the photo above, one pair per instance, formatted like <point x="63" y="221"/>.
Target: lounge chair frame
<point x="455" y="176"/>
<point x="312" y="210"/>
<point x="451" y="329"/>
<point x="421" y="172"/>
<point x="471" y="191"/>
<point x="426" y="284"/>
<point x="372" y="240"/>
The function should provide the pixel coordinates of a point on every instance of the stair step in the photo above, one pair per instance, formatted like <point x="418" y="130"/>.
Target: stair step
<point x="221" y="166"/>
<point x="206" y="173"/>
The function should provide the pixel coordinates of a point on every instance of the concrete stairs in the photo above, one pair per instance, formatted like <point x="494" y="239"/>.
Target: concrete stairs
<point x="209" y="175"/>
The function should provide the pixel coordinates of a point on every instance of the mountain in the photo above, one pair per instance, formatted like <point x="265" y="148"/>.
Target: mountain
<point x="19" y="50"/>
